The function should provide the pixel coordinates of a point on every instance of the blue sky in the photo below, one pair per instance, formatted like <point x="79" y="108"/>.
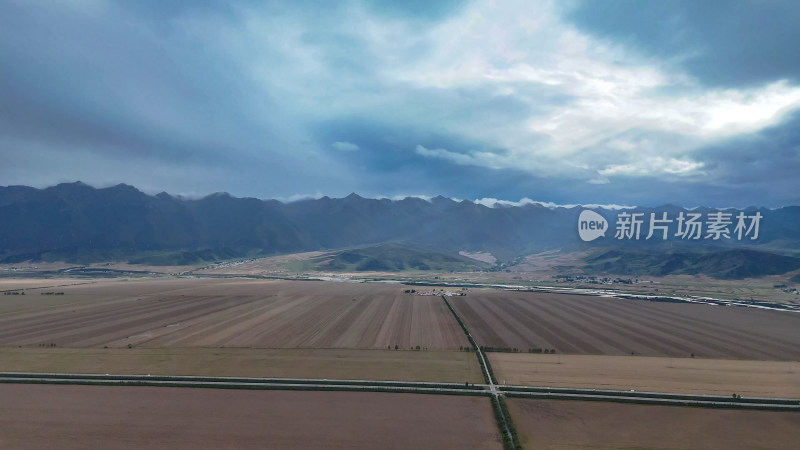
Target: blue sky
<point x="604" y="102"/>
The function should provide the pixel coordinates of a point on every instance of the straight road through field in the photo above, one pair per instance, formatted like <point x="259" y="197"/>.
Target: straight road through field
<point x="484" y="363"/>
<point x="242" y="383"/>
<point x="311" y="384"/>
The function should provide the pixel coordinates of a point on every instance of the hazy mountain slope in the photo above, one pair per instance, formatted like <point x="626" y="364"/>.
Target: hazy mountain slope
<point x="76" y="222"/>
<point x="726" y="264"/>
<point x="80" y="223"/>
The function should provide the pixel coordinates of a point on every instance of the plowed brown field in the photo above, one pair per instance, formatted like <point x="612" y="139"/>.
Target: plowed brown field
<point x="64" y="417"/>
<point x="576" y="324"/>
<point x="654" y="374"/>
<point x="228" y="313"/>
<point x="553" y="424"/>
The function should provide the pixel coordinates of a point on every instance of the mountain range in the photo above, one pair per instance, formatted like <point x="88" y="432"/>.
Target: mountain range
<point x="79" y="223"/>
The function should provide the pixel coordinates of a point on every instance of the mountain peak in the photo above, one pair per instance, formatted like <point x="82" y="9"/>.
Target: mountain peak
<point x="122" y="187"/>
<point x="76" y="184"/>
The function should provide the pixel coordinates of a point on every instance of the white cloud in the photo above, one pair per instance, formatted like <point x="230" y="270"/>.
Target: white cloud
<point x="735" y="111"/>
<point x="607" y="94"/>
<point x="484" y="159"/>
<point x="345" y="146"/>
<point x="599" y="180"/>
<point x="654" y="166"/>
<point x="299" y="197"/>
<point x="492" y="202"/>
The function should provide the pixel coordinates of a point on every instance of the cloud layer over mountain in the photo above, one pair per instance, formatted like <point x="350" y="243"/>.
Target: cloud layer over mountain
<point x="614" y="102"/>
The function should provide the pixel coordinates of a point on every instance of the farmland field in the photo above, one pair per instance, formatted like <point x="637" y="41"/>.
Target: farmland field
<point x="554" y="424"/>
<point x="45" y="416"/>
<point x="654" y="374"/>
<point x="227" y="313"/>
<point x="575" y="324"/>
<point x="441" y="366"/>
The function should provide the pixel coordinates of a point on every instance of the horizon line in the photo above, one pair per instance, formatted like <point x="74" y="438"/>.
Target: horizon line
<point x="489" y="202"/>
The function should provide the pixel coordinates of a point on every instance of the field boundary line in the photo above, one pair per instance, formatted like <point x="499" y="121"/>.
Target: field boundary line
<point x="657" y="400"/>
<point x="502" y="415"/>
<point x="332" y="385"/>
<point x="255" y="380"/>
<point x="310" y="384"/>
<point x="649" y="394"/>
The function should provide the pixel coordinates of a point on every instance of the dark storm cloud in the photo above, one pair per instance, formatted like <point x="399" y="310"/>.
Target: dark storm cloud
<point x="764" y="162"/>
<point x="466" y="99"/>
<point x="76" y="81"/>
<point x="721" y="42"/>
<point x="111" y="83"/>
<point x="114" y="84"/>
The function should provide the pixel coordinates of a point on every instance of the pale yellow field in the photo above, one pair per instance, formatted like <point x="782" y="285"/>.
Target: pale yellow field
<point x="443" y="366"/>
<point x="658" y="374"/>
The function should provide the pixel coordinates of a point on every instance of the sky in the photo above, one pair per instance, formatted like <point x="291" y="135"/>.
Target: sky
<point x="569" y="102"/>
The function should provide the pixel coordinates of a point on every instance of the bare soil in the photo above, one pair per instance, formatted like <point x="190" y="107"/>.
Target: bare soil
<point x="554" y="424"/>
<point x="439" y="366"/>
<point x="65" y="417"/>
<point x="479" y="256"/>
<point x="228" y="313"/>
<point x="591" y="325"/>
<point x="655" y="374"/>
<point x="261" y="266"/>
